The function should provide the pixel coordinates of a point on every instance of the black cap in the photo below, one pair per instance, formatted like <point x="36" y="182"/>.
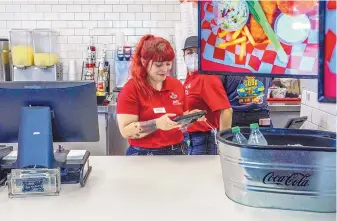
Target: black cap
<point x="191" y="42"/>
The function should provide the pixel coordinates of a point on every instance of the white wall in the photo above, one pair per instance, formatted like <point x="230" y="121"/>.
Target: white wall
<point x="74" y="18"/>
<point x="321" y="116"/>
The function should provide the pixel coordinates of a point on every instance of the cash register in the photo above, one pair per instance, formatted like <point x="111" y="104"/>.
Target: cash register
<point x="36" y="115"/>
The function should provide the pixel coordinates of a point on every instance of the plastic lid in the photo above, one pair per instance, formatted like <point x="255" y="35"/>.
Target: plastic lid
<point x="235" y="129"/>
<point x="254" y="126"/>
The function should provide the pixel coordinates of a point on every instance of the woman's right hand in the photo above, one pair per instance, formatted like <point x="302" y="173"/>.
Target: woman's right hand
<point x="165" y="123"/>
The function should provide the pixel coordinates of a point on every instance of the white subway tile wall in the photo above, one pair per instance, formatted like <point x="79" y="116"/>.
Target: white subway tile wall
<point x="321" y="116"/>
<point x="75" y="20"/>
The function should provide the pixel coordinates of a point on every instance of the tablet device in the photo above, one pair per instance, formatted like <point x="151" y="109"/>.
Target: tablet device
<point x="295" y="123"/>
<point x="189" y="118"/>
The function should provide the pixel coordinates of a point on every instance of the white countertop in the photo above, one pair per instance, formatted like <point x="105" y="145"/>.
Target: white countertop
<point x="185" y="188"/>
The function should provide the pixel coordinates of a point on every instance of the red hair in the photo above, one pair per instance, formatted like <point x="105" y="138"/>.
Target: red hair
<point x="149" y="48"/>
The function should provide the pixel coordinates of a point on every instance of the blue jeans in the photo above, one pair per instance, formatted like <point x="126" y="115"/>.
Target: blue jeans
<point x="177" y="149"/>
<point x="201" y="143"/>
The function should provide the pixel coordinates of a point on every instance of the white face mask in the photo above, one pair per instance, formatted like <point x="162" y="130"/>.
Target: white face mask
<point x="191" y="61"/>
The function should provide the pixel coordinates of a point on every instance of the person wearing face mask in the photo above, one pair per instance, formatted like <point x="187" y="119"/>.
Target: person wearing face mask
<point x="150" y="99"/>
<point x="204" y="92"/>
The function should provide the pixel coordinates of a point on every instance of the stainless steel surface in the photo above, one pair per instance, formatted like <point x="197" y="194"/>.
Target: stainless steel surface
<point x="281" y="176"/>
<point x="284" y="107"/>
<point x="116" y="144"/>
<point x="5" y="73"/>
<point x="280" y="118"/>
<point x="53" y="73"/>
<point x="102" y="109"/>
<point x="280" y="112"/>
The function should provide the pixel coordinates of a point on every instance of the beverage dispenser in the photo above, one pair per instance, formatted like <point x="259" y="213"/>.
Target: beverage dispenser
<point x="22" y="48"/>
<point x="123" y="57"/>
<point x="5" y="74"/>
<point x="45" y="48"/>
<point x="35" y="55"/>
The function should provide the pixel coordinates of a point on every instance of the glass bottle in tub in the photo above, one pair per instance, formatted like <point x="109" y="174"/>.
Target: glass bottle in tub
<point x="22" y="47"/>
<point x="45" y="47"/>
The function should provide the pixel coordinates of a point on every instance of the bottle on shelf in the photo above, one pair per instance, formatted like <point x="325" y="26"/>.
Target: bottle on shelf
<point x="90" y="61"/>
<point x="100" y="83"/>
<point x="106" y="71"/>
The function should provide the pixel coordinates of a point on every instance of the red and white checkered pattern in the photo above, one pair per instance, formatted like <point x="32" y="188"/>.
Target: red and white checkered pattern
<point x="303" y="58"/>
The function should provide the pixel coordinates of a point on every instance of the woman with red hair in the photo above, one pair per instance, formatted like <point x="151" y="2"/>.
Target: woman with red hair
<point x="150" y="99"/>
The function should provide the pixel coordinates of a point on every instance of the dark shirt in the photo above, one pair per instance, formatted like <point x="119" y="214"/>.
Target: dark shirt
<point x="247" y="93"/>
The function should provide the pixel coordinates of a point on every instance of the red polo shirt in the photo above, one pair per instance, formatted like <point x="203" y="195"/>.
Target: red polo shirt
<point x="170" y="98"/>
<point x="205" y="92"/>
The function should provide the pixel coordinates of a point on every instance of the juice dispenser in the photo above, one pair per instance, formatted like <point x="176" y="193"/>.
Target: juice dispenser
<point x="45" y="47"/>
<point x="5" y="73"/>
<point x="22" y="47"/>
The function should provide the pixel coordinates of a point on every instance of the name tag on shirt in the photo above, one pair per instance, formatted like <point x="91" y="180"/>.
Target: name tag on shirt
<point x="159" y="110"/>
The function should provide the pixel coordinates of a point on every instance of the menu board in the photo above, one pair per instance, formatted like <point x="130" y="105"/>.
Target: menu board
<point x="264" y="38"/>
<point x="327" y="78"/>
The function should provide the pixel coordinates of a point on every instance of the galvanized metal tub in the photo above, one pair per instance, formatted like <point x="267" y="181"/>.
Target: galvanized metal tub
<point x="279" y="175"/>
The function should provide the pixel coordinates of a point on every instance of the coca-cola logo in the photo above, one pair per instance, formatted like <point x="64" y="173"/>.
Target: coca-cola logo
<point x="295" y="179"/>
